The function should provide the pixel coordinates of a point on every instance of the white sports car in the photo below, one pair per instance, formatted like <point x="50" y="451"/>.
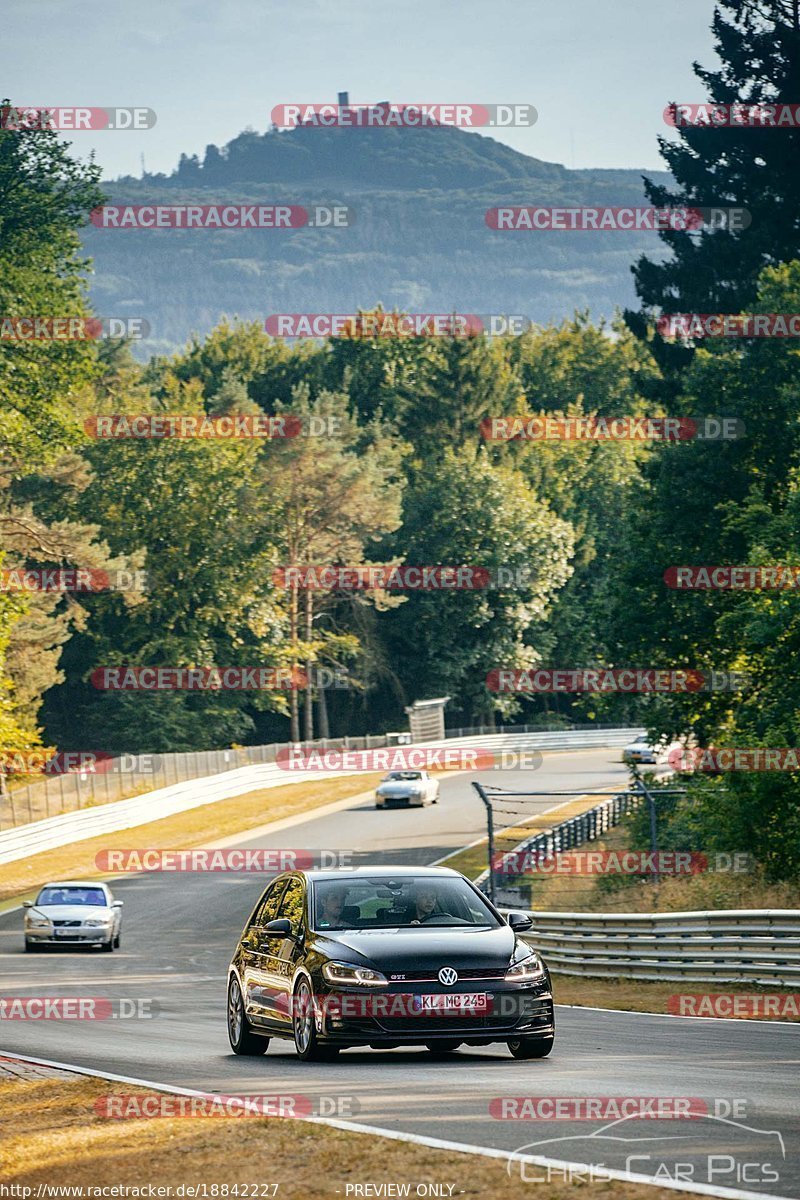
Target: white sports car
<point x="412" y="788"/>
<point x="73" y="913"/>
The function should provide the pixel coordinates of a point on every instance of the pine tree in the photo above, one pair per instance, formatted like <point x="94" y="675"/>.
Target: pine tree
<point x="755" y="168"/>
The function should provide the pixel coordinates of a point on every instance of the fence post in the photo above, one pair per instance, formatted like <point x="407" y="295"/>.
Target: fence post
<point x="651" y="800"/>
<point x="490" y="836"/>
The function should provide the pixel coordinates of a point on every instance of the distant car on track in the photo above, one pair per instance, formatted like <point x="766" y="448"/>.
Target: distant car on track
<point x="386" y="957"/>
<point x="412" y="788"/>
<point x="642" y="750"/>
<point x="74" y="912"/>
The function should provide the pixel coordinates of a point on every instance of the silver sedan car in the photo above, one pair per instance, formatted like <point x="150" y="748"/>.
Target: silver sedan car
<point x="73" y="913"/>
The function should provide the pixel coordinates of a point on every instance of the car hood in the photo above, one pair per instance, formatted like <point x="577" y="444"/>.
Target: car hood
<point x="402" y="786"/>
<point x="70" y="912"/>
<point x="419" y="948"/>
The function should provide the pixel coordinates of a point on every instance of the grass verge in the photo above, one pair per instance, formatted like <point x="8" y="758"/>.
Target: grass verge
<point x="197" y="827"/>
<point x="50" y="1133"/>
<point x="640" y="995"/>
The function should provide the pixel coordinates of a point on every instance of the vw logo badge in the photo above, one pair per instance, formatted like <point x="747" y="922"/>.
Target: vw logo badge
<point x="448" y="976"/>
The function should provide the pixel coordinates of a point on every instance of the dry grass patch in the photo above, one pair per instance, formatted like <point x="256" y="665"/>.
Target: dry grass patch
<point x="51" y="1134"/>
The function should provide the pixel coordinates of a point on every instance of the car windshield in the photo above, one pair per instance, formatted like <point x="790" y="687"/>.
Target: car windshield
<point x="405" y="900"/>
<point x="403" y="775"/>
<point x="72" y="895"/>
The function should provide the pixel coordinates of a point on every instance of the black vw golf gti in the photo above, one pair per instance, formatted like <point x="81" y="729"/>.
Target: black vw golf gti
<point x="385" y="957"/>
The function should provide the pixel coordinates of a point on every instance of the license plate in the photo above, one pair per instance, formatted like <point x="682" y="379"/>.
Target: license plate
<point x="66" y="932"/>
<point x="473" y="1002"/>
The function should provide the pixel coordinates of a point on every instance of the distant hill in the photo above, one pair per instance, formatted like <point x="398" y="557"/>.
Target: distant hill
<point x="419" y="240"/>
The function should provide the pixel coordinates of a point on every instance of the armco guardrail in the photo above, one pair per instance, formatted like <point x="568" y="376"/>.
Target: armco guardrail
<point x="24" y="840"/>
<point x="129" y="774"/>
<point x="725" y="946"/>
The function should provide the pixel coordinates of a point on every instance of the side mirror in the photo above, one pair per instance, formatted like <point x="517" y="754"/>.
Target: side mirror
<point x="281" y="927"/>
<point x="117" y="903"/>
<point x="519" y="921"/>
<point x="27" y="904"/>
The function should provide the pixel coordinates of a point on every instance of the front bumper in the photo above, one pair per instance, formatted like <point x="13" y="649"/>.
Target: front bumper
<point x="513" y="1012"/>
<point x="70" y="936"/>
<point x="400" y="801"/>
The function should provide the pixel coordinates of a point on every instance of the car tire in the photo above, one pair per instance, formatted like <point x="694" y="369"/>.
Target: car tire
<point x="442" y="1048"/>
<point x="31" y="947"/>
<point x="240" y="1033"/>
<point x="107" y="947"/>
<point x="307" y="1045"/>
<point x="117" y="940"/>
<point x="531" y="1047"/>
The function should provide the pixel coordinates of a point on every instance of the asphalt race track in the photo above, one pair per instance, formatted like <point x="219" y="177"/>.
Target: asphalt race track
<point x="179" y="931"/>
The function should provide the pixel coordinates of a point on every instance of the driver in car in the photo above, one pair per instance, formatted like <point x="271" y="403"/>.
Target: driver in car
<point x="333" y="903"/>
<point x="423" y="906"/>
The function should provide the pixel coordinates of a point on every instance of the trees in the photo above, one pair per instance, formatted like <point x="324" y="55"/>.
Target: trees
<point x="469" y="512"/>
<point x="758" y="42"/>
<point x="44" y="198"/>
<point x="335" y="495"/>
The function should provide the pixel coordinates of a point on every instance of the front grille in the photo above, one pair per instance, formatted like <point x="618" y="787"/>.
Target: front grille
<point x="72" y="924"/>
<point x="433" y="976"/>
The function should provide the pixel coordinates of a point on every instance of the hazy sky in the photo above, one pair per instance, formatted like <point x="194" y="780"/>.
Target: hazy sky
<point x="599" y="74"/>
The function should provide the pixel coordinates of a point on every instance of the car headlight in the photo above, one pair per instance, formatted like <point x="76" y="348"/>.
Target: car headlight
<point x="97" y="922"/>
<point x="526" y="971"/>
<point x="336" y="972"/>
<point x="37" y="922"/>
